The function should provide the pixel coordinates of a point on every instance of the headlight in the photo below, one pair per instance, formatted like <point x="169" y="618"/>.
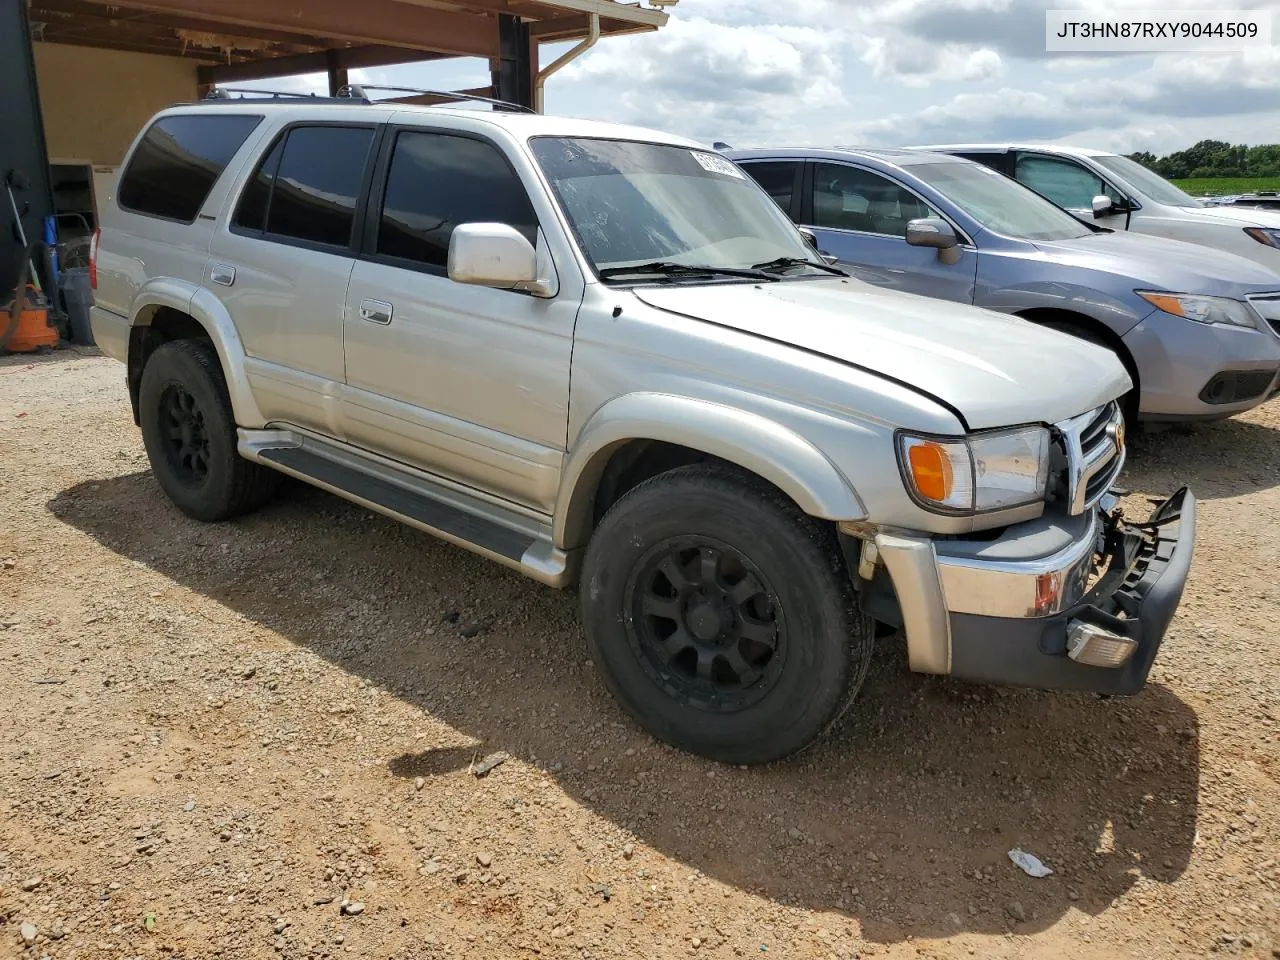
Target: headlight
<point x="979" y="473"/>
<point x="1235" y="313"/>
<point x="1264" y="235"/>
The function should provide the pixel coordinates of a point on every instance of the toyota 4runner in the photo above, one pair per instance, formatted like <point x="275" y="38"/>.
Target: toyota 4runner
<point x="603" y="356"/>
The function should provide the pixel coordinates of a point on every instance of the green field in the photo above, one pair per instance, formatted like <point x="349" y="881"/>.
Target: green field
<point x="1217" y="186"/>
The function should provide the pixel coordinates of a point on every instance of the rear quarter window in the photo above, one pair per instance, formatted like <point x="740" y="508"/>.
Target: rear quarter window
<point x="177" y="162"/>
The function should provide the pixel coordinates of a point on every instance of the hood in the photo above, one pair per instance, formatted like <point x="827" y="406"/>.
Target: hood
<point x="1241" y="216"/>
<point x="996" y="370"/>
<point x="1164" y="264"/>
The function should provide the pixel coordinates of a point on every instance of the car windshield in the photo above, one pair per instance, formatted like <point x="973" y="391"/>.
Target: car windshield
<point x="1001" y="205"/>
<point x="634" y="204"/>
<point x="1148" y="182"/>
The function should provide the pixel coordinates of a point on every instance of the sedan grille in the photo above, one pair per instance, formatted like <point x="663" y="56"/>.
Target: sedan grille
<point x="1267" y="306"/>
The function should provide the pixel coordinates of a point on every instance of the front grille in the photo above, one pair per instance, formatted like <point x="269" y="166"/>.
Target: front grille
<point x="1093" y="444"/>
<point x="1267" y="306"/>
<point x="1095" y="430"/>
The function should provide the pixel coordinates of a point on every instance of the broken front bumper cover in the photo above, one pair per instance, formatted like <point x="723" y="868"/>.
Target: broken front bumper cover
<point x="1019" y="610"/>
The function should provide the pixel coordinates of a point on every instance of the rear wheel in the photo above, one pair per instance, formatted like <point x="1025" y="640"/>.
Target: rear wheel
<point x="190" y="434"/>
<point x="721" y="617"/>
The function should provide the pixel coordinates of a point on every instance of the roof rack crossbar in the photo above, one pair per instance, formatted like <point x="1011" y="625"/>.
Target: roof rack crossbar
<point x="224" y="93"/>
<point x="358" y="91"/>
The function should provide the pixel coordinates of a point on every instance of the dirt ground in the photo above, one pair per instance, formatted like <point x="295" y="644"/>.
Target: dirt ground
<point x="217" y="736"/>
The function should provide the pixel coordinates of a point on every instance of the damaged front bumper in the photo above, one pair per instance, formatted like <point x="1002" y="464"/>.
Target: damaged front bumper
<point x="1021" y="608"/>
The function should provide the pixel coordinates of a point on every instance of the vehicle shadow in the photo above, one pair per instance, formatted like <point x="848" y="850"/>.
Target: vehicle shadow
<point x="1218" y="459"/>
<point x="902" y="818"/>
<point x="9" y="362"/>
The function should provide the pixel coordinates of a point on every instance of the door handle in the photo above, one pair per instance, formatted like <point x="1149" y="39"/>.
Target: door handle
<point x="376" y="311"/>
<point x="222" y="274"/>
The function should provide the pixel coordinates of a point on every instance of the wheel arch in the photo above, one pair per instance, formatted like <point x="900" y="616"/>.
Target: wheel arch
<point x="167" y="310"/>
<point x="659" y="431"/>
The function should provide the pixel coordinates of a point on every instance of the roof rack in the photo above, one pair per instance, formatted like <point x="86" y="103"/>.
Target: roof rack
<point x="224" y="93"/>
<point x="356" y="91"/>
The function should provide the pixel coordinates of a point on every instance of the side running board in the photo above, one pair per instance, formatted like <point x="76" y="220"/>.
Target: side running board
<point x="482" y="526"/>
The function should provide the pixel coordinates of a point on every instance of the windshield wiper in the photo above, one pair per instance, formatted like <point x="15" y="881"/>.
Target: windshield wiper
<point x="668" y="268"/>
<point x="781" y="263"/>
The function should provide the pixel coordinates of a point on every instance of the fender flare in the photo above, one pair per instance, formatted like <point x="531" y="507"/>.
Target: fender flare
<point x="208" y="311"/>
<point x="762" y="446"/>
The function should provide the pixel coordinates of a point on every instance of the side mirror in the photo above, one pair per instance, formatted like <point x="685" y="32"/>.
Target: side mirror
<point x="492" y="255"/>
<point x="812" y="240"/>
<point x="1103" y="205"/>
<point x="931" y="232"/>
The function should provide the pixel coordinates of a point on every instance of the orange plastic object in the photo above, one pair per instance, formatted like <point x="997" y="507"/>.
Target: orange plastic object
<point x="33" y="330"/>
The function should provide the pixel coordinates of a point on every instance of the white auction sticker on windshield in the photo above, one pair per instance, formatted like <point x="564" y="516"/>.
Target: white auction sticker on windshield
<point x="715" y="164"/>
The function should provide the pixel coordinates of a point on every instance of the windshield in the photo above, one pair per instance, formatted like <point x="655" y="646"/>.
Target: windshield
<point x="1001" y="205"/>
<point x="633" y="203"/>
<point x="1147" y="181"/>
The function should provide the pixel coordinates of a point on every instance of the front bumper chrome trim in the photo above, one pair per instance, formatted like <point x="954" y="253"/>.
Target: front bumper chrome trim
<point x="1038" y="587"/>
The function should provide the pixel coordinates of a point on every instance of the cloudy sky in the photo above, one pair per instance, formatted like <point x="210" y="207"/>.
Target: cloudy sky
<point x="756" y="72"/>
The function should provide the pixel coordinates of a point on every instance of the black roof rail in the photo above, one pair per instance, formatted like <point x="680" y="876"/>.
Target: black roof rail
<point x="357" y="92"/>
<point x="289" y="96"/>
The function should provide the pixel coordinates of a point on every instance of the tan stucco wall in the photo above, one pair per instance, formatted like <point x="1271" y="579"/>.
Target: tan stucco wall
<point x="95" y="101"/>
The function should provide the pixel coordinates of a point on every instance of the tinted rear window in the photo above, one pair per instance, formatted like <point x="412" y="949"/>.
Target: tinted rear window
<point x="178" y="161"/>
<point x="316" y="186"/>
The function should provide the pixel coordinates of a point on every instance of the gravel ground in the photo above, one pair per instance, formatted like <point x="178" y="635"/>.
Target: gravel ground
<point x="258" y="739"/>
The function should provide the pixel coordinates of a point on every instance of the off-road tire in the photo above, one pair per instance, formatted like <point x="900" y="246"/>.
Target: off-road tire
<point x="228" y="485"/>
<point x="823" y="640"/>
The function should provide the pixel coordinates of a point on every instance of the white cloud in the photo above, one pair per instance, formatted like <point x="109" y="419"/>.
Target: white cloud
<point x="714" y="80"/>
<point x="759" y="72"/>
<point x="918" y="64"/>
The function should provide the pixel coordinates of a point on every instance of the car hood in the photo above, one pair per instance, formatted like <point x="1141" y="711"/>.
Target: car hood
<point x="994" y="369"/>
<point x="1164" y="264"/>
<point x="1231" y="216"/>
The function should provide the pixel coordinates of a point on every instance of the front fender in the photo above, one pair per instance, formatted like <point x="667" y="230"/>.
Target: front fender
<point x="755" y="443"/>
<point x="1117" y="313"/>
<point x="207" y="310"/>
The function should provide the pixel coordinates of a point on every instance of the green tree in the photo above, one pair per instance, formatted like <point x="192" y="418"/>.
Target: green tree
<point x="1215" y="158"/>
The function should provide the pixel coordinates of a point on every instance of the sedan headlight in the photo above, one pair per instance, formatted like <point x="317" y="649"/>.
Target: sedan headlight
<point x="1189" y="306"/>
<point x="978" y="473"/>
<point x="1270" y="237"/>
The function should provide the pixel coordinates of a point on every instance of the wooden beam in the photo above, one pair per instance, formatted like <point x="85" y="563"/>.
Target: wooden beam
<point x="631" y="12"/>
<point x="388" y="22"/>
<point x="152" y="38"/>
<point x="115" y="16"/>
<point x="347" y="58"/>
<point x="199" y="56"/>
<point x="575" y="27"/>
<point x="337" y="73"/>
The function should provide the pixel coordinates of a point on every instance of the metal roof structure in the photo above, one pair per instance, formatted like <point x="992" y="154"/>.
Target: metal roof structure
<point x="240" y="40"/>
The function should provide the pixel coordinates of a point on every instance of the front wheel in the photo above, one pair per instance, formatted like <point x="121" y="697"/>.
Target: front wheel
<point x="721" y="617"/>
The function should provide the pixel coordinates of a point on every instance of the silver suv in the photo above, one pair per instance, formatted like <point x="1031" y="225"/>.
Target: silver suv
<point x="603" y="356"/>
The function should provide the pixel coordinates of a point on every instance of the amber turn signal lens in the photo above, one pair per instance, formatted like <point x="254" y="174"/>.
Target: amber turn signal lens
<point x="1166" y="303"/>
<point x="931" y="471"/>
